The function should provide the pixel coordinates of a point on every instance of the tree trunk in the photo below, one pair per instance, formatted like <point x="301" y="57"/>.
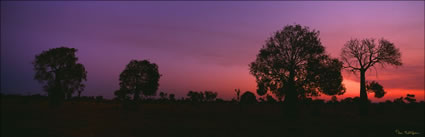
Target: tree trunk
<point x="56" y="94"/>
<point x="290" y="97"/>
<point x="363" y="95"/>
<point x="291" y="93"/>
<point x="136" y="96"/>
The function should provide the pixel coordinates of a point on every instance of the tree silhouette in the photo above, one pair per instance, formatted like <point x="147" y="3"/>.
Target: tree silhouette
<point x="248" y="98"/>
<point x="99" y="98"/>
<point x="195" y="96"/>
<point x="293" y="64"/>
<point x="376" y="88"/>
<point x="399" y="100"/>
<point x="360" y="55"/>
<point x="206" y="96"/>
<point x="410" y="98"/>
<point x="210" y="96"/>
<point x="58" y="69"/>
<point x="238" y="94"/>
<point x="172" y="97"/>
<point x="140" y="78"/>
<point x="163" y="95"/>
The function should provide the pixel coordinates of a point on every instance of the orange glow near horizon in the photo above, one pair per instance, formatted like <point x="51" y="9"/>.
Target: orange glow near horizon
<point x="353" y="90"/>
<point x="247" y="83"/>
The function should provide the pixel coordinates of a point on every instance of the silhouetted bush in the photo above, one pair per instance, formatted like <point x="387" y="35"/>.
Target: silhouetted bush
<point x="248" y="98"/>
<point x="195" y="97"/>
<point x="410" y="98"/>
<point x="172" y="97"/>
<point x="334" y="100"/>
<point x="347" y="100"/>
<point x="219" y="100"/>
<point x="99" y="98"/>
<point x="199" y="97"/>
<point x="163" y="95"/>
<point x="398" y="101"/>
<point x="210" y="96"/>
<point x="388" y="102"/>
<point x="356" y="100"/>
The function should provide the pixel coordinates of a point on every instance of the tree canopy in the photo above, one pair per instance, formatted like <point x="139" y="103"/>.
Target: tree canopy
<point x="360" y="55"/>
<point x="58" y="69"/>
<point x="293" y="64"/>
<point x="139" y="78"/>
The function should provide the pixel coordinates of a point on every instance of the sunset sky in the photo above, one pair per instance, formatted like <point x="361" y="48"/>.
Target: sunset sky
<point x="201" y="45"/>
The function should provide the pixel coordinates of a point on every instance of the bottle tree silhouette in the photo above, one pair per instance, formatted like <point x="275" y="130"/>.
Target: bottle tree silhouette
<point x="360" y="55"/>
<point x="138" y="78"/>
<point x="58" y="69"/>
<point x="293" y="64"/>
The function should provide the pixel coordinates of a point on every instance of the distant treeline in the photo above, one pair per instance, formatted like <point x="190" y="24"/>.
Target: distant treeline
<point x="194" y="97"/>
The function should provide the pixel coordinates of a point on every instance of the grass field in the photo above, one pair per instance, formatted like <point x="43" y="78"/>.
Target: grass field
<point x="208" y="120"/>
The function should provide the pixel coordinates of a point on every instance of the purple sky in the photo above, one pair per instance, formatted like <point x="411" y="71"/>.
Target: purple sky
<point x="199" y="45"/>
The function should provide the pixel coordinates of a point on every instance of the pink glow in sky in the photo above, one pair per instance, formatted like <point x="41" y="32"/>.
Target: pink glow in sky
<point x="201" y="45"/>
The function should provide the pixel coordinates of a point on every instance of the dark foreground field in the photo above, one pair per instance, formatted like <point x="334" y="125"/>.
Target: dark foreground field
<point x="205" y="120"/>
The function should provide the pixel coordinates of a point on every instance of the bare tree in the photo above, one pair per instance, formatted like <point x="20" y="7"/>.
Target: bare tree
<point x="360" y="55"/>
